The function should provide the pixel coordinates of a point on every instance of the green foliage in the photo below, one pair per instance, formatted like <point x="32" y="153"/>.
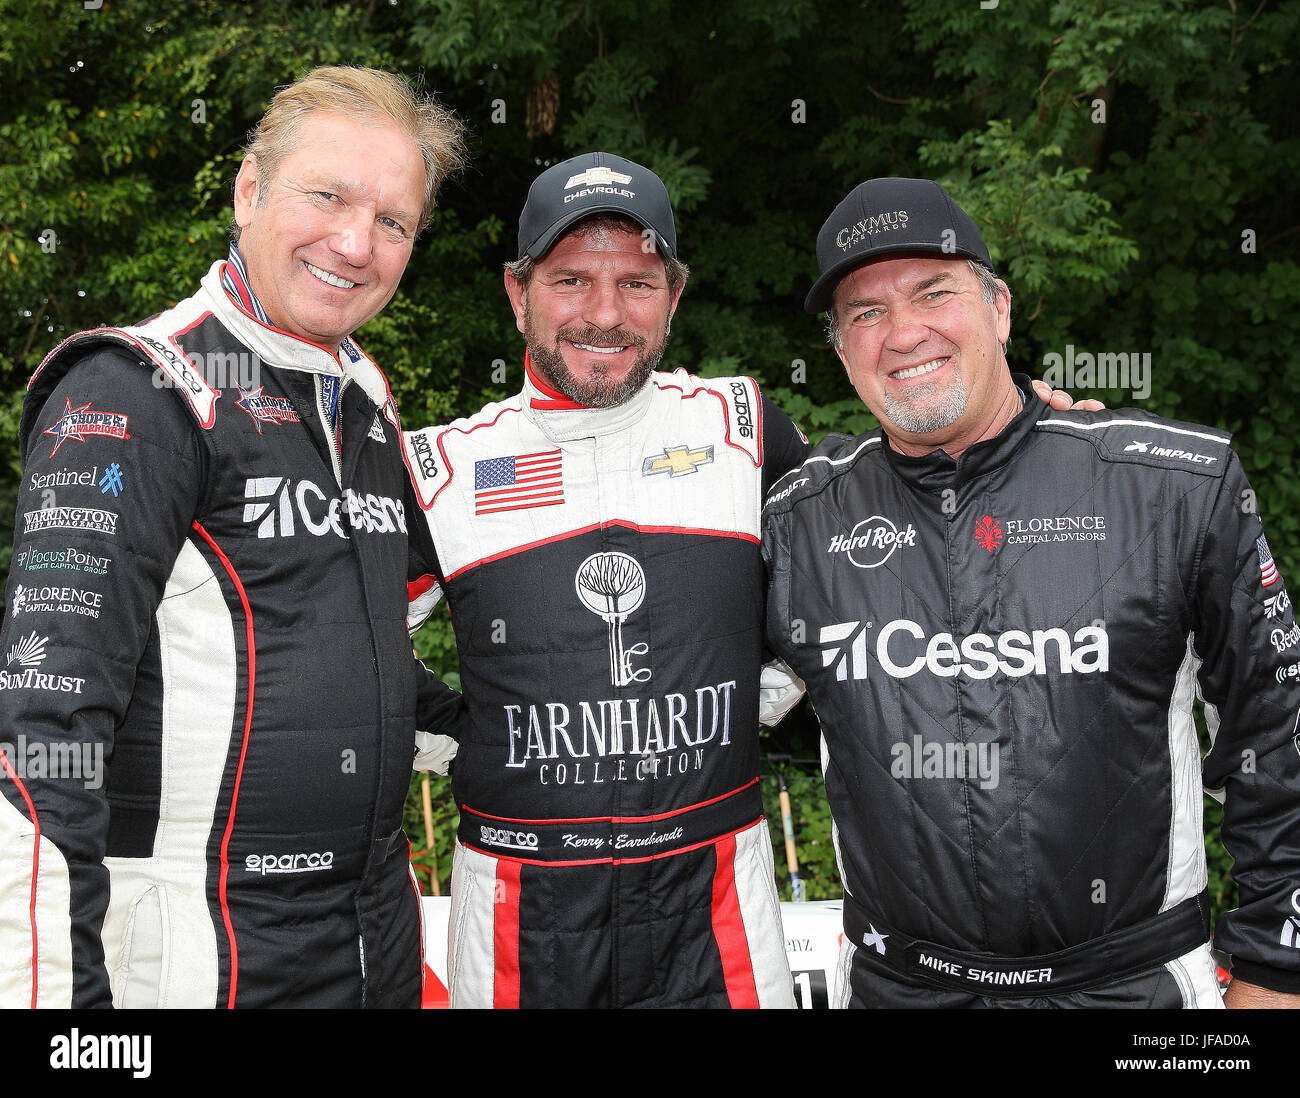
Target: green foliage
<point x="1127" y="234"/>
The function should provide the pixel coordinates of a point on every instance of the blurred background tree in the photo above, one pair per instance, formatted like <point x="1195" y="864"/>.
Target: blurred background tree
<point x="1133" y="165"/>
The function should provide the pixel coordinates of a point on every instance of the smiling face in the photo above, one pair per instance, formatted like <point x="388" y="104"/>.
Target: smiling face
<point x="326" y="243"/>
<point x="595" y="314"/>
<point x="924" y="351"/>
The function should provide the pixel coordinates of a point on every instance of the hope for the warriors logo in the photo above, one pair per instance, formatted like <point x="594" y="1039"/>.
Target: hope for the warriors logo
<point x="77" y="423"/>
<point x="988" y="533"/>
<point x="265" y="409"/>
<point x="613" y="585"/>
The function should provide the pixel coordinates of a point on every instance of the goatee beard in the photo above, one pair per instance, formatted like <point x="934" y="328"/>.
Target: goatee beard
<point x="599" y="391"/>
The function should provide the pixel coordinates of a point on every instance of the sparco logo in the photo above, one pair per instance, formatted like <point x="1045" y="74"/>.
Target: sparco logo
<point x="423" y="450"/>
<point x="853" y="234"/>
<point x="740" y="401"/>
<point x="981" y="656"/>
<point x="612" y="585"/>
<point x="277" y="500"/>
<point x="184" y="369"/>
<point x="872" y="541"/>
<point x="315" y="862"/>
<point x="1162" y="451"/>
<point x="512" y="840"/>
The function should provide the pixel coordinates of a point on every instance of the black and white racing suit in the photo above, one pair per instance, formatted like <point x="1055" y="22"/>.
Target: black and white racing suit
<point x="603" y="573"/>
<point x="207" y="698"/>
<point x="1003" y="653"/>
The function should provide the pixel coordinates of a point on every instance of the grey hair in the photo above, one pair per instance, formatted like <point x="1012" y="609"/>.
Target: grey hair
<point x="676" y="271"/>
<point x="989" y="290"/>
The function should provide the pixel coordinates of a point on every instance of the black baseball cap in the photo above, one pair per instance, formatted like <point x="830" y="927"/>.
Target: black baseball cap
<point x="595" y="182"/>
<point x="888" y="215"/>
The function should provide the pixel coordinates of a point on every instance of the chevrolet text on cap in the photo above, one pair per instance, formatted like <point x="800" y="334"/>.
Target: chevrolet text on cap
<point x="888" y="215"/>
<point x="593" y="183"/>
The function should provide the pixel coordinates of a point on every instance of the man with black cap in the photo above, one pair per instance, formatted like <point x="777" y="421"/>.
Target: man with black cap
<point x="597" y="541"/>
<point x="1004" y="614"/>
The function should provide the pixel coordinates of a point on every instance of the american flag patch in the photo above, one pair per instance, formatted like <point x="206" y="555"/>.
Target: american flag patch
<point x="516" y="482"/>
<point x="1267" y="569"/>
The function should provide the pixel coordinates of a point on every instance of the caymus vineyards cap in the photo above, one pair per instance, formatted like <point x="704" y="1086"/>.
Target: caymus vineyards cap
<point x="596" y="182"/>
<point x="882" y="216"/>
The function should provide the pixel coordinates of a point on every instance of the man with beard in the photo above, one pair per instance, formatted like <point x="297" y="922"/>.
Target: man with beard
<point x="597" y="540"/>
<point x="1003" y="615"/>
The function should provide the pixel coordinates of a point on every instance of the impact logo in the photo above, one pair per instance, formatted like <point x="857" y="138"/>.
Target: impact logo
<point x="872" y="541"/>
<point x="278" y="507"/>
<point x="988" y="533"/>
<point x="612" y="585"/>
<point x="77" y="423"/>
<point x="265" y="409"/>
<point x="1164" y="451"/>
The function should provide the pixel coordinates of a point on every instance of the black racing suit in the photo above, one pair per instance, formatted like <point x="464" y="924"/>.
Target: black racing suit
<point x="1003" y="653"/>
<point x="603" y="573"/>
<point x="208" y="693"/>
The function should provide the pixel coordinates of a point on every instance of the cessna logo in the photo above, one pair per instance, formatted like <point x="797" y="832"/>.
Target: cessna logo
<point x="597" y="176"/>
<point x="872" y="541"/>
<point x="903" y="650"/>
<point x="278" y="506"/>
<point x="677" y="461"/>
<point x="1163" y="451"/>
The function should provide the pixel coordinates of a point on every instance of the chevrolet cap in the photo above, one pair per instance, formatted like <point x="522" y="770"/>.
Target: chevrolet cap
<point x="888" y="215"/>
<point x="596" y="182"/>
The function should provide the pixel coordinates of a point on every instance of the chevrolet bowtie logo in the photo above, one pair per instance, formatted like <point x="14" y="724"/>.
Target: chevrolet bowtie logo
<point x="677" y="461"/>
<point x="593" y="177"/>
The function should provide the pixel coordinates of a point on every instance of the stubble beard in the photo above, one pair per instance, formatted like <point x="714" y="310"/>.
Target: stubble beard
<point x="600" y="391"/>
<point x="929" y="409"/>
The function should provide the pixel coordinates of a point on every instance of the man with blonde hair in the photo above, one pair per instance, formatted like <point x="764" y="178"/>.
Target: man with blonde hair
<point x="208" y="691"/>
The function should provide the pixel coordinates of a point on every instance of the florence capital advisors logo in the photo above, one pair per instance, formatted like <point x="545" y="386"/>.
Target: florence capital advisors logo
<point x="988" y="533"/>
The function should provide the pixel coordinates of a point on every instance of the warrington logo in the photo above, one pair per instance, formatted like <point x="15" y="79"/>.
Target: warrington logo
<point x="612" y="586"/>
